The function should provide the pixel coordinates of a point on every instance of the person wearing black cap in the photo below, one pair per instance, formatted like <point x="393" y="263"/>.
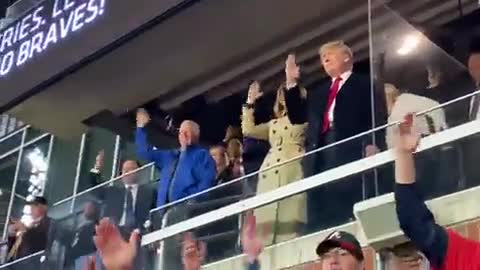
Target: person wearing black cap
<point x="28" y="239"/>
<point x="340" y="251"/>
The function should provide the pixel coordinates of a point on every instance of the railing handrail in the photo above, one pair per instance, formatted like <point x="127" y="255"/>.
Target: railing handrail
<point x="11" y="134"/>
<point x="22" y="259"/>
<point x="103" y="184"/>
<point x="337" y="173"/>
<point x="359" y="135"/>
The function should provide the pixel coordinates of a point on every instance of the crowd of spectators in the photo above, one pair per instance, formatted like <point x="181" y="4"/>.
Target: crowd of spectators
<point x="302" y="120"/>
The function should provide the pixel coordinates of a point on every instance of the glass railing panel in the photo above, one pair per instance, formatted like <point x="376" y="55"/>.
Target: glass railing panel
<point x="32" y="261"/>
<point x="329" y="201"/>
<point x="33" y="133"/>
<point x="11" y="141"/>
<point x="283" y="220"/>
<point x="31" y="178"/>
<point x="7" y="172"/>
<point x="284" y="164"/>
<point x="278" y="170"/>
<point x="72" y="240"/>
<point x="417" y="65"/>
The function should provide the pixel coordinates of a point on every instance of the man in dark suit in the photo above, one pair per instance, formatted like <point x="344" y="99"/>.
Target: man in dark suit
<point x="27" y="239"/>
<point x="338" y="109"/>
<point x="128" y="202"/>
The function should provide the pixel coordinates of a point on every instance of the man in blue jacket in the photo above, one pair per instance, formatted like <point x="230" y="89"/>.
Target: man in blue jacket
<point x="185" y="171"/>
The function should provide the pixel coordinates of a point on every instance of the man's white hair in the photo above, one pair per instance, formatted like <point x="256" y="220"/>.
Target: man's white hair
<point x="193" y="126"/>
<point x="336" y="44"/>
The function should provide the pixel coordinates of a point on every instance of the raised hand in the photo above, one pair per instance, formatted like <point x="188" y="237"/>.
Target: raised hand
<point x="17" y="225"/>
<point x="252" y="246"/>
<point x="254" y="92"/>
<point x="142" y="118"/>
<point x="292" y="70"/>
<point x="116" y="253"/>
<point x="100" y="160"/>
<point x="193" y="252"/>
<point x="407" y="139"/>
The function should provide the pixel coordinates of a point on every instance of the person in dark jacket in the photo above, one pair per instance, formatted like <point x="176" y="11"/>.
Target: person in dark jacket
<point x="223" y="168"/>
<point x="120" y="200"/>
<point x="28" y="239"/>
<point x="444" y="248"/>
<point x="337" y="109"/>
<point x="79" y="241"/>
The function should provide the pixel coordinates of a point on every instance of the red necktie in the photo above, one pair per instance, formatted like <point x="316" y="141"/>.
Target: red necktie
<point x="331" y="97"/>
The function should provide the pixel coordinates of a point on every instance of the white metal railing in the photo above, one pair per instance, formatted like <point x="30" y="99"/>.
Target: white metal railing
<point x="334" y="174"/>
<point x="39" y="254"/>
<point x="101" y="185"/>
<point x="320" y="149"/>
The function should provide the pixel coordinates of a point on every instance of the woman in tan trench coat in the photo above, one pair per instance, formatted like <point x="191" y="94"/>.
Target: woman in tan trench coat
<point x="282" y="220"/>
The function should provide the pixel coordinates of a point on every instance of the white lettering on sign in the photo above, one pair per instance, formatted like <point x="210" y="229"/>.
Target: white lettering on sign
<point x="43" y="27"/>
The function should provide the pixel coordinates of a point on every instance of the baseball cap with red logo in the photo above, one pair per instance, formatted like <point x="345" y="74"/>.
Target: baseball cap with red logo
<point x="341" y="239"/>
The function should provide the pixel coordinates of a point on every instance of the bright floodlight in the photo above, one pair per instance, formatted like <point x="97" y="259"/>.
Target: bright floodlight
<point x="409" y="44"/>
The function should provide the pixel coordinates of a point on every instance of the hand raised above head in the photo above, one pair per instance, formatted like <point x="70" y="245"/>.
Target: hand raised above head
<point x="406" y="138"/>
<point x="99" y="160"/>
<point x="292" y="70"/>
<point x="143" y="118"/>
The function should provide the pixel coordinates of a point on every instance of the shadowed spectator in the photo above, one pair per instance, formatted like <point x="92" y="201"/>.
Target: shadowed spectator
<point x="26" y="239"/>
<point x="224" y="169"/>
<point x="79" y="242"/>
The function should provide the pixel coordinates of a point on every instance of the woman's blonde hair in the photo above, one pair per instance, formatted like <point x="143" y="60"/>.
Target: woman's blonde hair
<point x="280" y="107"/>
<point x="391" y="95"/>
<point x="234" y="149"/>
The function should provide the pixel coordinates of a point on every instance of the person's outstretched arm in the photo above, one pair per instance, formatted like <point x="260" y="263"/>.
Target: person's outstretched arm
<point x="416" y="220"/>
<point x="251" y="245"/>
<point x="144" y="149"/>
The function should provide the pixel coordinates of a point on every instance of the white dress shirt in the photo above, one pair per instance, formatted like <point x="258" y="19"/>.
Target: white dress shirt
<point x="344" y="77"/>
<point x="471" y="104"/>
<point x="134" y="195"/>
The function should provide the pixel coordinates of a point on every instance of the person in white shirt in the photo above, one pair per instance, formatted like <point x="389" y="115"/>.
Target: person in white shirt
<point x="432" y="122"/>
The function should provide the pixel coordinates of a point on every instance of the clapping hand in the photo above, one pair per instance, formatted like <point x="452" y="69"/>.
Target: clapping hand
<point x="254" y="92"/>
<point x="116" y="253"/>
<point x="193" y="252"/>
<point x="99" y="160"/>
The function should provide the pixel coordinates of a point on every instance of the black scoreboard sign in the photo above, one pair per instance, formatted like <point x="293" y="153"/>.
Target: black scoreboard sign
<point x="45" y="25"/>
<point x="56" y="37"/>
